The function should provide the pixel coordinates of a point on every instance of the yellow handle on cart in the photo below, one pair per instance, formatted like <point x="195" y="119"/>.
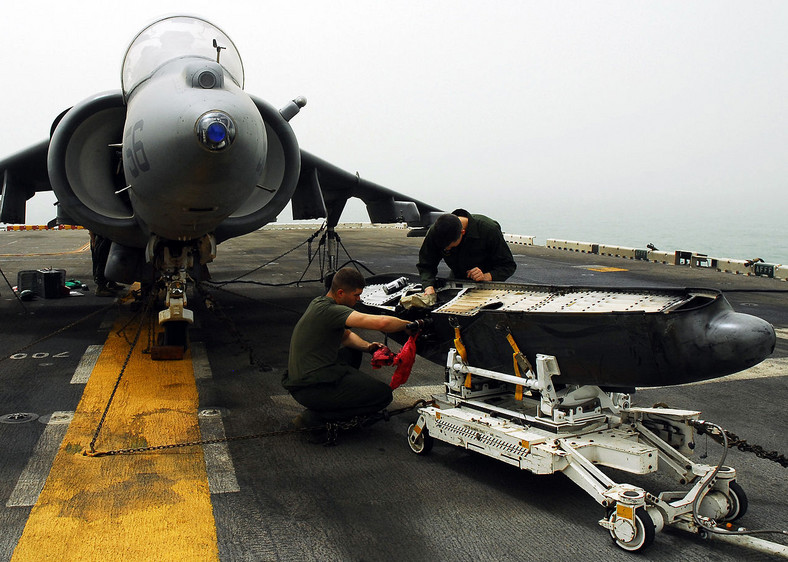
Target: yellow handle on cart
<point x="518" y="392"/>
<point x="460" y="347"/>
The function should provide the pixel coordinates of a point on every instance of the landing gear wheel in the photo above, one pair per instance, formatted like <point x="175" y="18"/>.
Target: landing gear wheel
<point x="738" y="501"/>
<point x="175" y="333"/>
<point x="632" y="538"/>
<point x="420" y="444"/>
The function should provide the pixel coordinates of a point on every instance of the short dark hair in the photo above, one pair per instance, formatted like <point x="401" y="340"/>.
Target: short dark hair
<point x="447" y="229"/>
<point x="348" y="279"/>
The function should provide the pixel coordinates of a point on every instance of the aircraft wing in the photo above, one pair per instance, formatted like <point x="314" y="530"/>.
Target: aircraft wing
<point x="323" y="189"/>
<point x="22" y="175"/>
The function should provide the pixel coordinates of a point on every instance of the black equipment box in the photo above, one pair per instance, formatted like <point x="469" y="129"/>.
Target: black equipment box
<point x="27" y="280"/>
<point x="50" y="283"/>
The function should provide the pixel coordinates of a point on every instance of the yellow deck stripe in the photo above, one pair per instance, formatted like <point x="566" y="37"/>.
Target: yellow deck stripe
<point x="606" y="269"/>
<point x="85" y="247"/>
<point x="151" y="506"/>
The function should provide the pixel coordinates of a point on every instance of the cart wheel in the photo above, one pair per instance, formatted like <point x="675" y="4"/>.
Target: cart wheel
<point x="175" y="333"/>
<point x="629" y="538"/>
<point x="422" y="444"/>
<point x="738" y="500"/>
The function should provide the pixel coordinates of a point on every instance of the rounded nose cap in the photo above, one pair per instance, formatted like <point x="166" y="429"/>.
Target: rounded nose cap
<point x="736" y="336"/>
<point x="215" y="130"/>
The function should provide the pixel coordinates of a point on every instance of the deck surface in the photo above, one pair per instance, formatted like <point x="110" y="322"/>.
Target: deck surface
<point x="280" y="497"/>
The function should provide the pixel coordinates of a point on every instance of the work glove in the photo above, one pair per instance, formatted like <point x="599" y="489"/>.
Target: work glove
<point x="417" y="326"/>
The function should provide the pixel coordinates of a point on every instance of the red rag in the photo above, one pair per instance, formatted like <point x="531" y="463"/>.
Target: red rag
<point x="382" y="356"/>
<point x="404" y="361"/>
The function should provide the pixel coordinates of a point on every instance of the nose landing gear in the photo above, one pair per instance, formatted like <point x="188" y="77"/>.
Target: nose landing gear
<point x="174" y="262"/>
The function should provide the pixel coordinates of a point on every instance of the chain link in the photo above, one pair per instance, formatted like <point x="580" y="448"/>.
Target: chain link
<point x="212" y="305"/>
<point x="216" y="308"/>
<point x="197" y="443"/>
<point x="332" y="430"/>
<point x="133" y="344"/>
<point x="280" y="256"/>
<point x="757" y="450"/>
<point x="742" y="445"/>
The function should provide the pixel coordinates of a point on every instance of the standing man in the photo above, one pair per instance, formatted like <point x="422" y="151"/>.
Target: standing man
<point x="325" y="379"/>
<point x="471" y="245"/>
<point x="99" y="253"/>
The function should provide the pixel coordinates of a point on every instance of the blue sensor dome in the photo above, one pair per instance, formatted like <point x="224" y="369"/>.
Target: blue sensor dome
<point x="215" y="130"/>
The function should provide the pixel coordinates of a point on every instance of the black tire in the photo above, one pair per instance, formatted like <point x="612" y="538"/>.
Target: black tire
<point x="738" y="500"/>
<point x="422" y="444"/>
<point x="644" y="533"/>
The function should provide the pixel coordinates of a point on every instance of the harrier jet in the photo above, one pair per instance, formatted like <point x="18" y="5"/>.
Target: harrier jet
<point x="180" y="159"/>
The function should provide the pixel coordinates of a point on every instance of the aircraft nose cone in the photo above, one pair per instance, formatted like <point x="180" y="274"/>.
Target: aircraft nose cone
<point x="740" y="339"/>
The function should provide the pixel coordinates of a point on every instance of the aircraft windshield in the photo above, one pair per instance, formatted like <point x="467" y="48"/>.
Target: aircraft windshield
<point x="173" y="38"/>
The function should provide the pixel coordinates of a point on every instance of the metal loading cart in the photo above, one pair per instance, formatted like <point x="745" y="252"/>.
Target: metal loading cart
<point x="527" y="422"/>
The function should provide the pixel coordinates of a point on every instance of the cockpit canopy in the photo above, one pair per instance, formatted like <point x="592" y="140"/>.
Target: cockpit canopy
<point x="178" y="37"/>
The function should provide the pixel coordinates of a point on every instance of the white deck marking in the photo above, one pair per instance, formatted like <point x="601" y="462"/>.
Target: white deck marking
<point x="34" y="476"/>
<point x="218" y="462"/>
<point x="765" y="369"/>
<point x="108" y="321"/>
<point x="86" y="364"/>
<point x="200" y="363"/>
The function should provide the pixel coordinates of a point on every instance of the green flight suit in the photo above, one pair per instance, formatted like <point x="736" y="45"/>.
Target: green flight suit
<point x="319" y="375"/>
<point x="482" y="246"/>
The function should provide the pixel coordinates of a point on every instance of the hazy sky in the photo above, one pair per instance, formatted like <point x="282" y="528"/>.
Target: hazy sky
<point x="515" y="109"/>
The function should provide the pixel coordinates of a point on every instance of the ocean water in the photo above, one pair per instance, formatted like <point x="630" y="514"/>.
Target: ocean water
<point x="738" y="229"/>
<point x="714" y="229"/>
<point x="718" y="231"/>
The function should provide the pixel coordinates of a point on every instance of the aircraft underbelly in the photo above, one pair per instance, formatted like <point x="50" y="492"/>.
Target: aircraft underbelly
<point x="607" y="337"/>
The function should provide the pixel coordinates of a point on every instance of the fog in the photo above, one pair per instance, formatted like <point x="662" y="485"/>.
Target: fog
<point x="552" y="117"/>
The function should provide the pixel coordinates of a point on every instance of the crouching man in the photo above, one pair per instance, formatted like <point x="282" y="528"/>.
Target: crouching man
<point x="325" y="355"/>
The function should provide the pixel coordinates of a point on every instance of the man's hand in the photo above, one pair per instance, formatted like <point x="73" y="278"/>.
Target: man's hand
<point x="414" y="327"/>
<point x="429" y="290"/>
<point x="374" y="346"/>
<point x="477" y="274"/>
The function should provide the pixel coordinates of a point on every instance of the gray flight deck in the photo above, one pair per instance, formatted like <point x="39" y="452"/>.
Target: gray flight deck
<point x="369" y="497"/>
